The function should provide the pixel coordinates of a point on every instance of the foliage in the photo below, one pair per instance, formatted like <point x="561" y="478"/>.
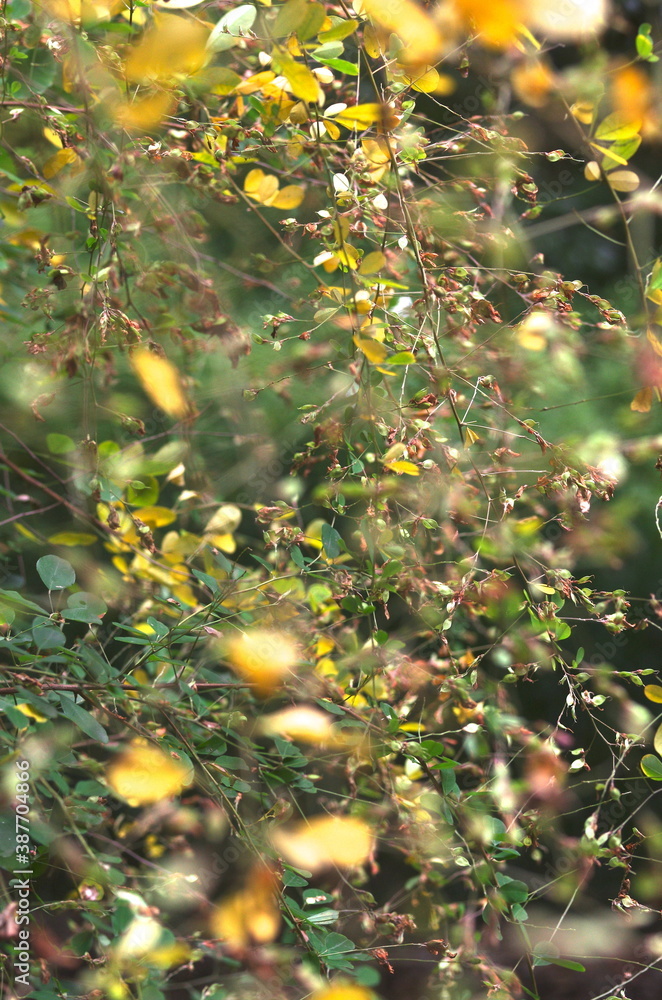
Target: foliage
<point x="293" y="593"/>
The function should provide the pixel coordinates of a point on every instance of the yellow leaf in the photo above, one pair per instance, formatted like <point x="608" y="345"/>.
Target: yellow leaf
<point x="372" y="262"/>
<point x="144" y="113"/>
<point x="263" y="657"/>
<point x="72" y="538"/>
<point x="255" y="82"/>
<point x="610" y="153"/>
<point x="304" y="723"/>
<point x="360" y="116"/>
<point x="642" y="402"/>
<point x="657" y="739"/>
<point x="532" y="81"/>
<point x="623" y="180"/>
<point x="565" y="21"/>
<point x="65" y="10"/>
<point x="303" y="83"/>
<point x="288" y="197"/>
<point x="495" y="23"/>
<point x="260" y="186"/>
<point x="404" y="468"/>
<point x="59" y="160"/>
<point x="144" y="774"/>
<point x="583" y="111"/>
<point x="617" y="126"/>
<point x="342" y="991"/>
<point x="396" y="451"/>
<point x="592" y="171"/>
<point x="375" y="352"/>
<point x="160" y="380"/>
<point x="325" y="841"/>
<point x="251" y="915"/>
<point x="654" y="693"/>
<point x="426" y="82"/>
<point x="30" y="712"/>
<point x="171" y="47"/>
<point x="156" y="517"/>
<point x="408" y="21"/>
<point x="224" y="521"/>
<point x="470" y="437"/>
<point x="348" y="256"/>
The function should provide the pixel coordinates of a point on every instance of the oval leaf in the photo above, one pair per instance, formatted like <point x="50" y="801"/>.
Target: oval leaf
<point x="652" y="767"/>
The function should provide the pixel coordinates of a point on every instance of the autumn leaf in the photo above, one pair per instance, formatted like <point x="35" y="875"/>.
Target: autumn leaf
<point x="251" y="915"/>
<point x="171" y="47"/>
<point x="325" y="841"/>
<point x="263" y="188"/>
<point x="304" y="723"/>
<point x="144" y="774"/>
<point x="160" y="380"/>
<point x="419" y="32"/>
<point x="263" y="657"/>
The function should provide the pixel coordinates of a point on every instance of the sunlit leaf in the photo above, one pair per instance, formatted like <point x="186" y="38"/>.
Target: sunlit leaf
<point x="304" y="723"/>
<point x="288" y="197"/>
<point x="145" y="112"/>
<point x="59" y="160"/>
<point x="265" y="658"/>
<point x="574" y="20"/>
<point x="160" y="380"/>
<point x="470" y="437"/>
<point x="617" y="127"/>
<point x="652" y="767"/>
<point x="404" y="468"/>
<point x="418" y="31"/>
<point x="251" y="915"/>
<point x="583" y="111"/>
<point x="360" y="116"/>
<point x="375" y="352"/>
<point x="143" y="774"/>
<point x="256" y="82"/>
<point x="171" y="47"/>
<point x="654" y="693"/>
<point x="592" y="171"/>
<point x="495" y="24"/>
<point x="342" y="991"/>
<point x="657" y="739"/>
<point x="302" y="81"/>
<point x="325" y="841"/>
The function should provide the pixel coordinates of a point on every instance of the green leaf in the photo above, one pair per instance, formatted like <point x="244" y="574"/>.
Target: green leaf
<point x="616" y="127"/>
<point x="59" y="444"/>
<point x="82" y="718"/>
<point x="652" y="767"/>
<point x="83" y="607"/>
<point x="55" y="573"/>
<point x="299" y="16"/>
<point x="231" y="27"/>
<point x="331" y="541"/>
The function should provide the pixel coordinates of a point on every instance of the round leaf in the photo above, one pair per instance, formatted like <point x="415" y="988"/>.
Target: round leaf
<point x="56" y="573"/>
